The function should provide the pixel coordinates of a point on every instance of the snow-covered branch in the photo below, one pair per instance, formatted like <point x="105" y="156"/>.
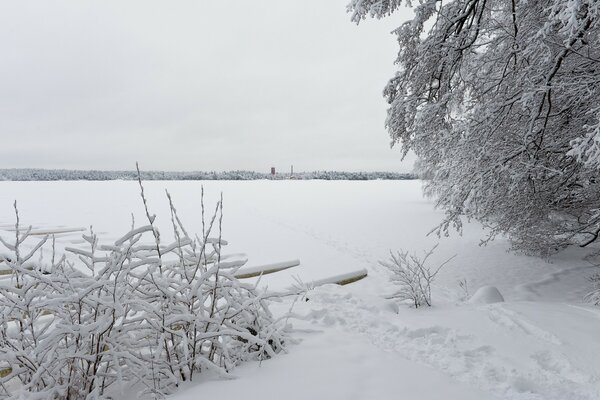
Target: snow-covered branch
<point x="148" y="316"/>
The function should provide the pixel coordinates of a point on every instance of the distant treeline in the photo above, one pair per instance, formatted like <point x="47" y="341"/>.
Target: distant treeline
<point x="75" y="175"/>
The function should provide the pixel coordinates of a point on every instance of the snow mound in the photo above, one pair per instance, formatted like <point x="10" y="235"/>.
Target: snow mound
<point x="486" y="295"/>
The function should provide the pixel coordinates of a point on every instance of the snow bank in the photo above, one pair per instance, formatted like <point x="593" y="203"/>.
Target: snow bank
<point x="335" y="365"/>
<point x="486" y="295"/>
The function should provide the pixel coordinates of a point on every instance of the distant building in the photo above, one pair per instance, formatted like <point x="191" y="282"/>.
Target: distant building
<point x="273" y="171"/>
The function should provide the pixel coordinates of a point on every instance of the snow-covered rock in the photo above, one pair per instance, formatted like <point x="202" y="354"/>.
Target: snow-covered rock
<point x="486" y="295"/>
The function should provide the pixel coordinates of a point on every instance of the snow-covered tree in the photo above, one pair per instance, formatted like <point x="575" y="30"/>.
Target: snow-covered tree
<point x="500" y="100"/>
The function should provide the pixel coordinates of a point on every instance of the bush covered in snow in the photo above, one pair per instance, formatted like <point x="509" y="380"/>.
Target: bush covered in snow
<point x="413" y="276"/>
<point x="136" y="313"/>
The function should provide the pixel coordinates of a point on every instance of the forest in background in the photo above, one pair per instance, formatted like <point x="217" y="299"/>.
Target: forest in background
<point x="93" y="175"/>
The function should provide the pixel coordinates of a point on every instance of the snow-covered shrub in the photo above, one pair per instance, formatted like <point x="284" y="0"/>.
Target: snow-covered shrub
<point x="136" y="312"/>
<point x="413" y="276"/>
<point x="594" y="295"/>
<point x="464" y="288"/>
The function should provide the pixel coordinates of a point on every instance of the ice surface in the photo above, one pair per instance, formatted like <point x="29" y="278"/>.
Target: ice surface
<point x="540" y="344"/>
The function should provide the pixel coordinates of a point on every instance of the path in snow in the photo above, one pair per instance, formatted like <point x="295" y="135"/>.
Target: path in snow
<point x="516" y="350"/>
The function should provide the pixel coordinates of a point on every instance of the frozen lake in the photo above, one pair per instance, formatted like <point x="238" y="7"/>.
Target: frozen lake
<point x="355" y="343"/>
<point x="331" y="226"/>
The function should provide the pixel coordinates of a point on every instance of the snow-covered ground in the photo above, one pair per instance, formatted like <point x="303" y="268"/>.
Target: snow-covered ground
<point x="541" y="343"/>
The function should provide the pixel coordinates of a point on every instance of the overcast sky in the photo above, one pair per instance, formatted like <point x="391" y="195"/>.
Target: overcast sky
<point x="194" y="85"/>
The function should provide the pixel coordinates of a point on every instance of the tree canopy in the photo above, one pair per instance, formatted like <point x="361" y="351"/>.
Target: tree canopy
<point x="500" y="100"/>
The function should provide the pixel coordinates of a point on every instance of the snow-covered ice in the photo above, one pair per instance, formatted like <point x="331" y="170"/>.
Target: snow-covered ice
<point x="354" y="343"/>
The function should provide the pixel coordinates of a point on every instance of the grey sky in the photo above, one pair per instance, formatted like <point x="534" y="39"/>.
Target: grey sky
<point x="194" y="85"/>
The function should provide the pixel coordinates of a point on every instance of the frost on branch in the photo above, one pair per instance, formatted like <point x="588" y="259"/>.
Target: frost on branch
<point x="360" y="9"/>
<point x="587" y="149"/>
<point x="137" y="312"/>
<point x="413" y="276"/>
<point x="593" y="296"/>
<point x="499" y="100"/>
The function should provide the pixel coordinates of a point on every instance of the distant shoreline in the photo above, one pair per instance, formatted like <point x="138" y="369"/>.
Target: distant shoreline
<point x="32" y="174"/>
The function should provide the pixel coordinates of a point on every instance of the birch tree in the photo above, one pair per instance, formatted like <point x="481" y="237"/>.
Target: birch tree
<point x="500" y="100"/>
